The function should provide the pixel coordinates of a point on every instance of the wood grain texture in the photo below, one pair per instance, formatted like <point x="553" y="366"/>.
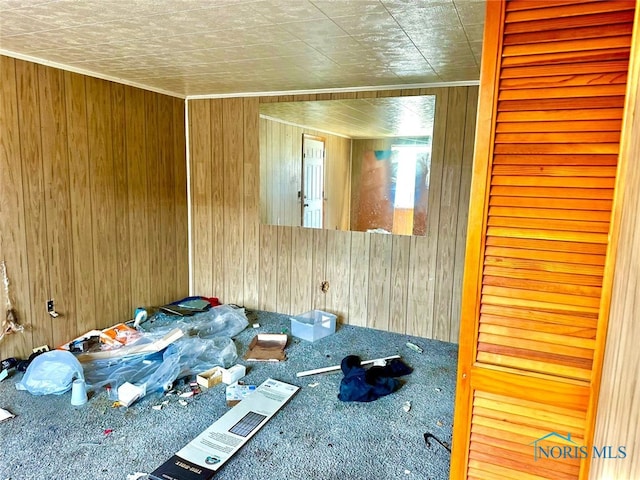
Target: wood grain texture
<point x="619" y="398"/>
<point x="121" y="176"/>
<point x="233" y="220"/>
<point x="180" y="199"/>
<point x="139" y="208"/>
<point x="214" y="189"/>
<point x="13" y="242"/>
<point x="378" y="306"/>
<point x="337" y="273"/>
<point x="35" y="225"/>
<point x="57" y="199"/>
<point x="251" y="180"/>
<point x="202" y="200"/>
<point x="83" y="235"/>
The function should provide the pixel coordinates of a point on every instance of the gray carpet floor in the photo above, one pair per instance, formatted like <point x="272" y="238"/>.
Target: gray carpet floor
<point x="314" y="436"/>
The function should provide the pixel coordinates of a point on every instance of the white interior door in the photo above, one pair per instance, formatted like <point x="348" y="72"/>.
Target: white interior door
<point x="312" y="196"/>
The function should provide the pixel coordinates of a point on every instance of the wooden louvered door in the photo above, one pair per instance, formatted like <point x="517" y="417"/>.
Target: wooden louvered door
<point x="538" y="268"/>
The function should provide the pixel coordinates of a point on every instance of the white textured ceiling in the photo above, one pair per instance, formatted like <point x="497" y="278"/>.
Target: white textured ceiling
<point x="208" y="47"/>
<point x="410" y="116"/>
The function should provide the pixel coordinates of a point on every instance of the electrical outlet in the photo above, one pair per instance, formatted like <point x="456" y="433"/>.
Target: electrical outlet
<point x="324" y="286"/>
<point x="50" y="306"/>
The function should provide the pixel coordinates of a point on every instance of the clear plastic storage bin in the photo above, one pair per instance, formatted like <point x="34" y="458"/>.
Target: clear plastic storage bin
<point x="313" y="325"/>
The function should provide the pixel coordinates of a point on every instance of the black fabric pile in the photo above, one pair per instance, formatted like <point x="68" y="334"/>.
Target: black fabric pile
<point x="366" y="385"/>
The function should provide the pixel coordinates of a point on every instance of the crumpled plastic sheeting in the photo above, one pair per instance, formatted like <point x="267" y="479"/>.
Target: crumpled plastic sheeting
<point x="206" y="344"/>
<point x="51" y="373"/>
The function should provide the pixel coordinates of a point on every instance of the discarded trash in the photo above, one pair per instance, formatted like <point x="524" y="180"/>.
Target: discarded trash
<point x="313" y="325"/>
<point x="78" y="393"/>
<point x="184" y="403"/>
<point x="407" y="472"/>
<point x="438" y="389"/>
<point x="129" y="393"/>
<point x="187" y="394"/>
<point x="428" y="435"/>
<point x="5" y="415"/>
<point x="3" y="374"/>
<point x="51" y="373"/>
<point x="108" y="431"/>
<point x="256" y="325"/>
<point x="407" y="406"/>
<point x="414" y="347"/>
<point x="210" y="378"/>
<point x="136" y="476"/>
<point x="314" y="385"/>
<point x="360" y="385"/>
<point x="439" y="423"/>
<point x="157" y="407"/>
<point x="233" y="374"/>
<point x="267" y="347"/>
<point x="236" y="393"/>
<point x="335" y="368"/>
<point x="239" y="423"/>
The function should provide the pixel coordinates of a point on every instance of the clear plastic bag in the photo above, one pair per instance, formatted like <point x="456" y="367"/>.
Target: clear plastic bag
<point x="51" y="373"/>
<point x="220" y="321"/>
<point x="206" y="344"/>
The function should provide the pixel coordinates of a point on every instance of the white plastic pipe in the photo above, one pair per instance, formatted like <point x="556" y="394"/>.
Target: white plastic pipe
<point x="337" y="367"/>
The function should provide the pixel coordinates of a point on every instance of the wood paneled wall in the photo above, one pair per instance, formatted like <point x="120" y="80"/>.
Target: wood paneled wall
<point x="619" y="404"/>
<point x="93" y="204"/>
<point x="281" y="175"/>
<point x="396" y="283"/>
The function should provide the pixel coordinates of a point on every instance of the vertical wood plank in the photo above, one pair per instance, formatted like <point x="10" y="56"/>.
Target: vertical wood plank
<point x="251" y="201"/>
<point x="268" y="267"/>
<point x="154" y="194"/>
<point x="138" y="200"/>
<point x="448" y="217"/>
<point x="233" y="232"/>
<point x="103" y="199"/>
<point x="301" y="270"/>
<point x="57" y="201"/>
<point x="338" y="273"/>
<point x="379" y="281"/>
<point x="419" y="323"/>
<point x="124" y="307"/>
<point x="201" y="203"/>
<point x="400" y="257"/>
<point x="216" y="186"/>
<point x="319" y="268"/>
<point x="34" y="200"/>
<point x="13" y="242"/>
<point x="463" y="211"/>
<point x="359" y="279"/>
<point x="165" y="186"/>
<point x="283" y="296"/>
<point x="81" y="202"/>
<point x="180" y="198"/>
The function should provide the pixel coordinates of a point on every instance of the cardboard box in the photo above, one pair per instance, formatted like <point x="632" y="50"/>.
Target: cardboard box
<point x="209" y="378"/>
<point x="233" y="374"/>
<point x="205" y="454"/>
<point x="267" y="347"/>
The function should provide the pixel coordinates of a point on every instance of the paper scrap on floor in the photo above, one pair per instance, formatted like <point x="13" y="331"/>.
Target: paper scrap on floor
<point x="205" y="454"/>
<point x="5" y="414"/>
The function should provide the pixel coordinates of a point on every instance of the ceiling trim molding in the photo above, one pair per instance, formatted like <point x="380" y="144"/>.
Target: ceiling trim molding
<point x="366" y="88"/>
<point x="369" y="88"/>
<point x="88" y="73"/>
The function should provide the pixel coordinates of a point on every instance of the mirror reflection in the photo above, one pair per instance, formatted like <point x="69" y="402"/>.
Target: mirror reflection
<point x="356" y="164"/>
